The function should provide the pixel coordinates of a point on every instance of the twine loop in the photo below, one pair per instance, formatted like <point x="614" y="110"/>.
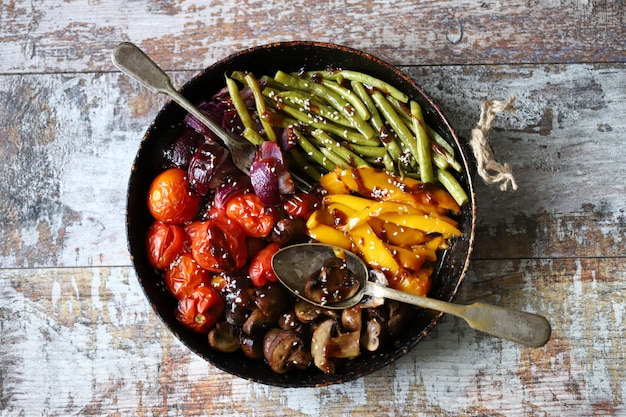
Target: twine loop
<point x="489" y="170"/>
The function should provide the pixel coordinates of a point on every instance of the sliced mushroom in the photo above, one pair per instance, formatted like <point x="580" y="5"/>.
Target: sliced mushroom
<point x="325" y="346"/>
<point x="373" y="302"/>
<point x="321" y="338"/>
<point x="333" y="282"/>
<point x="252" y="346"/>
<point x="289" y="321"/>
<point x="289" y="231"/>
<point x="372" y="335"/>
<point x="284" y="350"/>
<point x="224" y="337"/>
<point x="352" y="318"/>
<point x="258" y="322"/>
<point x="238" y="304"/>
<point x="272" y="299"/>
<point x="308" y="313"/>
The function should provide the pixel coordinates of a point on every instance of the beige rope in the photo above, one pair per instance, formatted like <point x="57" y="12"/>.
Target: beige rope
<point x="488" y="169"/>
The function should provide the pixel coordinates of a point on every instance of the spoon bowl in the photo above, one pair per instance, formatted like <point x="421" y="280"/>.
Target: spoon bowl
<point x="294" y="264"/>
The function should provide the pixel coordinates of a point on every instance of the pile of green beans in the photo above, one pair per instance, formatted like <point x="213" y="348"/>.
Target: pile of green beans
<point x="348" y="119"/>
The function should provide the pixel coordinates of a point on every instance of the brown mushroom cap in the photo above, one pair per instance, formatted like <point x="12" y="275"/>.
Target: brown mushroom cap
<point x="252" y="346"/>
<point x="224" y="337"/>
<point x="284" y="350"/>
<point x="257" y="323"/>
<point x="332" y="283"/>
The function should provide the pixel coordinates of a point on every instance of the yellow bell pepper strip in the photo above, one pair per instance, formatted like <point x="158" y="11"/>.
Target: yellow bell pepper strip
<point x="382" y="185"/>
<point x="398" y="235"/>
<point x="319" y="216"/>
<point x="376" y="209"/>
<point x="373" y="251"/>
<point x="413" y="282"/>
<point x="329" y="235"/>
<point x="340" y="213"/>
<point x="333" y="184"/>
<point x="353" y="201"/>
<point x="441" y="196"/>
<point x="437" y="243"/>
<point x="428" y="250"/>
<point x="407" y="258"/>
<point x="426" y="223"/>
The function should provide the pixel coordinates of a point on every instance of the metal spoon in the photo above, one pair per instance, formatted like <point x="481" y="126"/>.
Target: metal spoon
<point x="294" y="264"/>
<point x="134" y="62"/>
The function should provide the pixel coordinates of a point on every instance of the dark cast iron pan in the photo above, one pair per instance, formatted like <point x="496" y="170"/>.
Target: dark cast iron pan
<point x="266" y="60"/>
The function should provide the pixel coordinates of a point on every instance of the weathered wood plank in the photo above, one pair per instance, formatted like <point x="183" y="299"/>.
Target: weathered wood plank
<point x="97" y="322"/>
<point x="70" y="141"/>
<point x="42" y="36"/>
<point x="565" y="144"/>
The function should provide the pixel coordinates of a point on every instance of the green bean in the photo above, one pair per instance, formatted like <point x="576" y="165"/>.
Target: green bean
<point x="436" y="137"/>
<point x="334" y="158"/>
<point x="324" y="124"/>
<point x="334" y="99"/>
<point x="346" y="154"/>
<point x="369" y="80"/>
<point x="312" y="152"/>
<point x="388" y="162"/>
<point x="304" y="164"/>
<point x="440" y="152"/>
<point x="452" y="186"/>
<point x="349" y="96"/>
<point x="310" y="104"/>
<point x="376" y="120"/>
<point x="361" y="92"/>
<point x="424" y="160"/>
<point x="259" y="101"/>
<point x="249" y="132"/>
<point x="375" y="151"/>
<point x="438" y="145"/>
<point x="396" y="123"/>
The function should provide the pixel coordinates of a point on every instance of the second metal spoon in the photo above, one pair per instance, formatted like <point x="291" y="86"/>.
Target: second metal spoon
<point x="294" y="264"/>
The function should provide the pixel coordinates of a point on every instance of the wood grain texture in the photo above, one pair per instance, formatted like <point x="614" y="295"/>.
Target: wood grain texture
<point x="123" y="361"/>
<point x="72" y="140"/>
<point x="41" y="35"/>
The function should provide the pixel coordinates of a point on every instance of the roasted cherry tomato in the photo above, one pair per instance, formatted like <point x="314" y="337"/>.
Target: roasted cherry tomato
<point x="164" y="242"/>
<point x="219" y="245"/>
<point x="184" y="275"/>
<point x="261" y="271"/>
<point x="250" y="213"/>
<point x="201" y="309"/>
<point x="171" y="199"/>
<point x="301" y="205"/>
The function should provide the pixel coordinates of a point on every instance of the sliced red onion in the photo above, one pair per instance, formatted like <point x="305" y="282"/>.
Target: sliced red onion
<point x="231" y="186"/>
<point x="205" y="163"/>
<point x="269" y="175"/>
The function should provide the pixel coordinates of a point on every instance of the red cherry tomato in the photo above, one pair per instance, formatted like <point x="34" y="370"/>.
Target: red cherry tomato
<point x="250" y="213"/>
<point x="171" y="199"/>
<point x="261" y="271"/>
<point x="200" y="310"/>
<point x="185" y="275"/>
<point x="219" y="245"/>
<point x="164" y="242"/>
<point x="301" y="205"/>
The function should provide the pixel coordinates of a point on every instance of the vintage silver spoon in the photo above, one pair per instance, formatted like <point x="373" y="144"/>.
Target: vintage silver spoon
<point x="294" y="264"/>
<point x="134" y="62"/>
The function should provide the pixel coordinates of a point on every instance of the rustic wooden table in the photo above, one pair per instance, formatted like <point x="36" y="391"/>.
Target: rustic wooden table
<point x="77" y="336"/>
